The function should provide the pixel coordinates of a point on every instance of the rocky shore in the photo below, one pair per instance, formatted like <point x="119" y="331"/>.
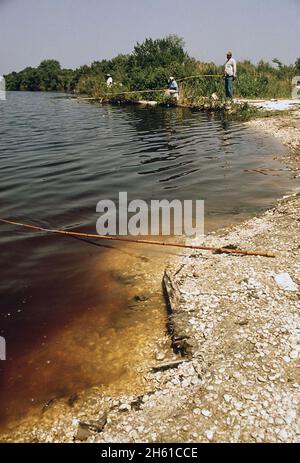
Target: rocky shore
<point x="234" y="321"/>
<point x="286" y="128"/>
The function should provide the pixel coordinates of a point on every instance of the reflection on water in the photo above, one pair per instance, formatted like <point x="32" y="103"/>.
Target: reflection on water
<point x="76" y="315"/>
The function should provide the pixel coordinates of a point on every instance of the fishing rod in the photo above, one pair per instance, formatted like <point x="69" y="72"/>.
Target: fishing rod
<point x="140" y="241"/>
<point x="163" y="89"/>
<point x="200" y="75"/>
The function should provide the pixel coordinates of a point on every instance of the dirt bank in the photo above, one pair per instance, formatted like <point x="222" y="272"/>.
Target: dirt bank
<point x="236" y="320"/>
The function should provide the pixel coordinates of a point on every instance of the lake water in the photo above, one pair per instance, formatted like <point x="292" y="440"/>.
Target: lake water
<point x="76" y="315"/>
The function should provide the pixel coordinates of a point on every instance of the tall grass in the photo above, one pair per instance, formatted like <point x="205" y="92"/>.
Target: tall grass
<point x="253" y="81"/>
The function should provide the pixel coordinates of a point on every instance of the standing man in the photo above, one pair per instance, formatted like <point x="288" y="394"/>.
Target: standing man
<point x="229" y="74"/>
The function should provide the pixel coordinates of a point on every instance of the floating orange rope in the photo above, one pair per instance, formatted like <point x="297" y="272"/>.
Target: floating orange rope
<point x="128" y="240"/>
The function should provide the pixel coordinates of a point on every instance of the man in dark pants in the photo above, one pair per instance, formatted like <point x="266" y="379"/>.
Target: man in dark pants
<point x="230" y="75"/>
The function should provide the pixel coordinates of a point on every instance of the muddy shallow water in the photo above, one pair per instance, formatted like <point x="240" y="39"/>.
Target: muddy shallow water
<point x="73" y="314"/>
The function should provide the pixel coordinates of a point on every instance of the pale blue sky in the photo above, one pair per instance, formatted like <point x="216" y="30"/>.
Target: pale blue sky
<point x="78" y="32"/>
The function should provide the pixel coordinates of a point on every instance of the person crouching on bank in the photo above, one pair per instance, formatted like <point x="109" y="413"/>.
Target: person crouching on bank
<point x="173" y="89"/>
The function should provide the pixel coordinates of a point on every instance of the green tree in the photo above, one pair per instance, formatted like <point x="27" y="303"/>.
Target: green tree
<point x="159" y="52"/>
<point x="153" y="61"/>
<point x="50" y="75"/>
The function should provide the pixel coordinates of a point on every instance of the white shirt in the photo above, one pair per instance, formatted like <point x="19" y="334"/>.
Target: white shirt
<point x="109" y="82"/>
<point x="230" y="68"/>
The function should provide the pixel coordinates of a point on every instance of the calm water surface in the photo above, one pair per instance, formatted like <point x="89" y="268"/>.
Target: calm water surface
<point x="68" y="310"/>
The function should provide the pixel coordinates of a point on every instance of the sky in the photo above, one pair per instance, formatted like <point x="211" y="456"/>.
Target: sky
<point x="79" y="32"/>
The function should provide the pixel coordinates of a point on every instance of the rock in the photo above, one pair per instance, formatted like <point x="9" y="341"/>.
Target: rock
<point x="261" y="379"/>
<point x="175" y="381"/>
<point x="137" y="403"/>
<point x="206" y="413"/>
<point x="238" y="405"/>
<point x="283" y="434"/>
<point x="186" y="382"/>
<point x="293" y="354"/>
<point x="100" y="423"/>
<point x="285" y="282"/>
<point x="86" y="429"/>
<point x="274" y="377"/>
<point x="166" y="365"/>
<point x="140" y="298"/>
<point x="160" y="356"/>
<point x="195" y="381"/>
<point x="83" y="433"/>
<point x="190" y="371"/>
<point x="124" y="407"/>
<point x="210" y="435"/>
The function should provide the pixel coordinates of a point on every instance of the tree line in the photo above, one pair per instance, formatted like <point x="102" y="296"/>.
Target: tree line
<point x="149" y="66"/>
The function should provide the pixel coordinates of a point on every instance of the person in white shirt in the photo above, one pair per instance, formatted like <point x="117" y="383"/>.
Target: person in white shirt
<point x="109" y="80"/>
<point x="173" y="89"/>
<point x="230" y="72"/>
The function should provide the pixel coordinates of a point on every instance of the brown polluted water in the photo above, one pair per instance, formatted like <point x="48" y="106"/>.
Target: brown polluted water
<point x="77" y="314"/>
